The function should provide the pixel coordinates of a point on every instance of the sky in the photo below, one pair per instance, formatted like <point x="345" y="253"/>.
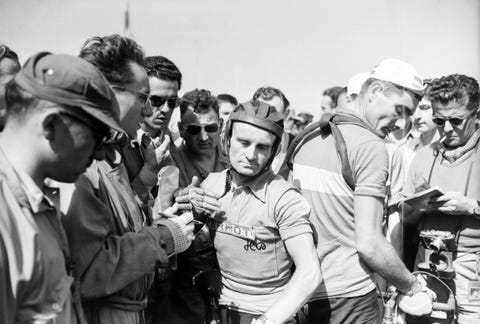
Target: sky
<point x="226" y="46"/>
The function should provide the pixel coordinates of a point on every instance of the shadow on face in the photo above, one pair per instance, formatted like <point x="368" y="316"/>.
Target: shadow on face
<point x="201" y="131"/>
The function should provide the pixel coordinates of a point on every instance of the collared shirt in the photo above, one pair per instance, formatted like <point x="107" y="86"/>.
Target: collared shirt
<point x="400" y="161"/>
<point x="255" y="221"/>
<point x="34" y="281"/>
<point x="317" y="172"/>
<point x="200" y="255"/>
<point x="430" y="169"/>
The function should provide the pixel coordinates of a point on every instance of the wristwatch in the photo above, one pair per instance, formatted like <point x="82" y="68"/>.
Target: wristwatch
<point x="265" y="320"/>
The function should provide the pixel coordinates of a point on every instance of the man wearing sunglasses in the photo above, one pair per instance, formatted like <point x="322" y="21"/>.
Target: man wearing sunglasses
<point x="116" y="245"/>
<point x="9" y="66"/>
<point x="59" y="111"/>
<point x="195" y="158"/>
<point x="165" y="81"/>
<point x="453" y="165"/>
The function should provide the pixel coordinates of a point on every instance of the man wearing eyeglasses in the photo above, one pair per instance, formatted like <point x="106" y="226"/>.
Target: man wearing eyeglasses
<point x="59" y="111"/>
<point x="453" y="165"/>
<point x="116" y="245"/>
<point x="9" y="66"/>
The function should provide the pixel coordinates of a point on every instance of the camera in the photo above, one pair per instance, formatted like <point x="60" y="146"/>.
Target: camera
<point x="439" y="250"/>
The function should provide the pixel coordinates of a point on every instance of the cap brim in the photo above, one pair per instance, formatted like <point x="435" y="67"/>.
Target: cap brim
<point x="105" y="119"/>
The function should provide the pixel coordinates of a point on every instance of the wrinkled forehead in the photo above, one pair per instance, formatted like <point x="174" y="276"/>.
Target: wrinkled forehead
<point x="199" y="118"/>
<point x="252" y="134"/>
<point x="276" y="102"/>
<point x="454" y="107"/>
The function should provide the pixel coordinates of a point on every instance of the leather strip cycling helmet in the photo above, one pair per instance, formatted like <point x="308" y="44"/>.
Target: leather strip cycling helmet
<point x="258" y="114"/>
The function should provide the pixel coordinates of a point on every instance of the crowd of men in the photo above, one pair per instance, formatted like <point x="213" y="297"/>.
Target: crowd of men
<point x="240" y="212"/>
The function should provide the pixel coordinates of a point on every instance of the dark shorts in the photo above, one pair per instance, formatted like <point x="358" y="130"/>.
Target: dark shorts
<point x="353" y="310"/>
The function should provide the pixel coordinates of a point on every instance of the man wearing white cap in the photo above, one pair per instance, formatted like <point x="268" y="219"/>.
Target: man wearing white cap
<point x="346" y="215"/>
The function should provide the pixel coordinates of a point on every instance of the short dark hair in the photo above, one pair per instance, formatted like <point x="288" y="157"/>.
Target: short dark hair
<point x="200" y="99"/>
<point x="162" y="68"/>
<point x="455" y="87"/>
<point x="112" y="55"/>
<point x="225" y="97"/>
<point x="333" y="93"/>
<point x="267" y="93"/>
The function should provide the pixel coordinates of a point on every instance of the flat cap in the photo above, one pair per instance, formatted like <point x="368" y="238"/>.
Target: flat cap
<point x="71" y="81"/>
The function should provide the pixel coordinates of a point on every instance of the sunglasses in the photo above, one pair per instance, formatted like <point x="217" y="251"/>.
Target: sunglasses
<point x="159" y="101"/>
<point x="453" y="121"/>
<point x="141" y="96"/>
<point x="195" y="129"/>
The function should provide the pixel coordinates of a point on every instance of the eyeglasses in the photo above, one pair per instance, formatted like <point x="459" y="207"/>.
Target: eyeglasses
<point x="195" y="129"/>
<point x="159" y="101"/>
<point x="141" y="96"/>
<point x="453" y="121"/>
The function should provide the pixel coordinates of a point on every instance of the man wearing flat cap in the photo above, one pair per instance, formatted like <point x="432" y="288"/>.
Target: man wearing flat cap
<point x="59" y="110"/>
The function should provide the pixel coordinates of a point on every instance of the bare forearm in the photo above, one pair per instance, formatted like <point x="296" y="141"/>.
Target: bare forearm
<point x="304" y="281"/>
<point x="382" y="258"/>
<point x="296" y="294"/>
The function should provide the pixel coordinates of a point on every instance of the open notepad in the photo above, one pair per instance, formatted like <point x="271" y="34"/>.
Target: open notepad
<point x="420" y="199"/>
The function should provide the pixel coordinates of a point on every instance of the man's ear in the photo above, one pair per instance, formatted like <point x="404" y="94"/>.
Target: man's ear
<point x="220" y="123"/>
<point x="375" y="89"/>
<point x="49" y="125"/>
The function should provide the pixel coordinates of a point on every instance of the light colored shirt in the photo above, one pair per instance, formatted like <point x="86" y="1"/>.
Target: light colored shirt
<point x="462" y="176"/>
<point x="280" y="157"/>
<point x="34" y="283"/>
<point x="317" y="172"/>
<point x="257" y="219"/>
